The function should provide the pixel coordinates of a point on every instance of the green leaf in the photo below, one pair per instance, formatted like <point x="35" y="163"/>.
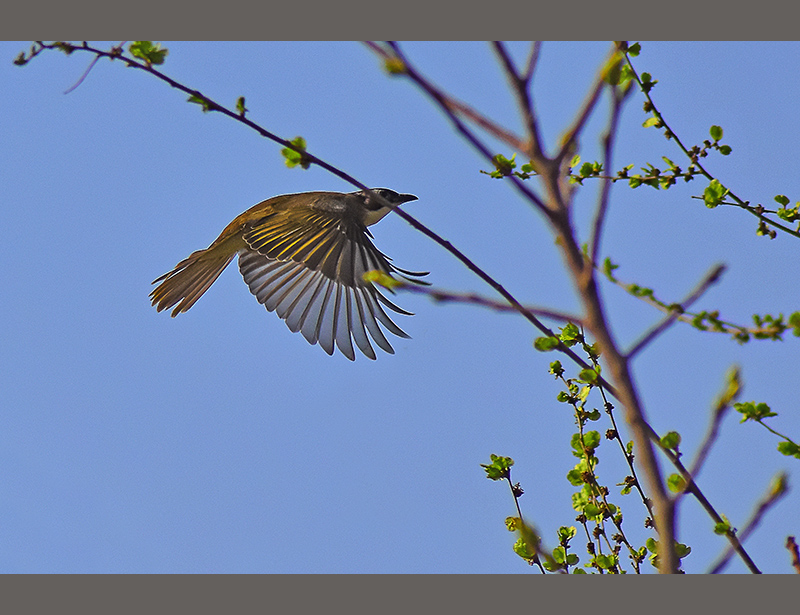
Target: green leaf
<point x="653" y="121"/>
<point x="625" y="75"/>
<point x="199" y="100"/>
<point x="394" y="65"/>
<point x="790" y="449"/>
<point x="676" y="483"/>
<point x="579" y="500"/>
<point x="593" y="415"/>
<point x="591" y="439"/>
<point x="66" y="48"/>
<point x="725" y="150"/>
<point x="634" y="50"/>
<point x="671" y="440"/>
<point x="240" y="108"/>
<point x="714" y="193"/>
<point x="575" y="478"/>
<point x="716" y="132"/>
<point x="723" y="528"/>
<point x="794" y="322"/>
<point x="570" y="334"/>
<point x="782" y="199"/>
<point x="546" y="344"/>
<point x="147" y="51"/>
<point x="608" y="268"/>
<point x="293" y="158"/>
<point x="589" y="376"/>
<point x="593" y="512"/>
<point x="521" y="549"/>
<point x="499" y="468"/>
<point x="605" y="562"/>
<point x="752" y="411"/>
<point x="551" y="566"/>
<point x="503" y="166"/>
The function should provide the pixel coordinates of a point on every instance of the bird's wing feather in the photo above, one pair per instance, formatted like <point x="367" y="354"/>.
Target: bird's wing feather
<point x="337" y="246"/>
<point x="308" y="267"/>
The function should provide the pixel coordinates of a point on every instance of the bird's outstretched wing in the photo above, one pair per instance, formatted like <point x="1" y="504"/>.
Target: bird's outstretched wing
<point x="308" y="266"/>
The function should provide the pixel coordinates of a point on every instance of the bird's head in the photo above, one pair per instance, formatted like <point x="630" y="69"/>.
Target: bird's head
<point x="378" y="207"/>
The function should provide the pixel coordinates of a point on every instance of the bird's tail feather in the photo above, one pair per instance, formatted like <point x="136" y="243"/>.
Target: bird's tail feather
<point x="185" y="284"/>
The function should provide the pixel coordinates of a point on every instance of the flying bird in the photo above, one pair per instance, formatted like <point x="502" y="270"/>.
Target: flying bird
<point x="304" y="256"/>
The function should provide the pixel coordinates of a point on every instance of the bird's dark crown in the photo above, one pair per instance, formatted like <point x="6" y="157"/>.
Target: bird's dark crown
<point x="392" y="197"/>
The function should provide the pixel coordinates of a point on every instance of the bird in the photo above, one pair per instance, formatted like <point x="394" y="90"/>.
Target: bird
<point x="304" y="256"/>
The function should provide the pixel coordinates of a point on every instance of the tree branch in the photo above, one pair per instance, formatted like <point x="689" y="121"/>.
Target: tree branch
<point x="608" y="149"/>
<point x="712" y="277"/>
<point x="571" y="136"/>
<point x="795" y="553"/>
<point x="479" y="300"/>
<point x="775" y="493"/>
<point x="441" y="99"/>
<point x="116" y="54"/>
<point x="520" y="85"/>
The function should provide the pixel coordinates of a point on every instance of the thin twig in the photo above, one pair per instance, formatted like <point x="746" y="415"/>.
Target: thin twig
<point x="488" y="125"/>
<point x="716" y="325"/>
<point x="609" y="140"/>
<point x="83" y="76"/>
<point x="695" y="159"/>
<point x="520" y="87"/>
<point x="710" y="278"/>
<point x="635" y="417"/>
<point x="458" y="107"/>
<point x="441" y="99"/>
<point x="588" y="106"/>
<point x="767" y="501"/>
<point x="501" y="306"/>
<point x="795" y="552"/>
<point x="711" y="436"/>
<point x="516" y="491"/>
<point x="533" y="59"/>
<point x="551" y="175"/>
<point x="311" y="159"/>
<point x="691" y="487"/>
<point x="609" y="408"/>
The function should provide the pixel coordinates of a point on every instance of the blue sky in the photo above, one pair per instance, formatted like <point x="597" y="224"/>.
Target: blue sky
<point x="219" y="441"/>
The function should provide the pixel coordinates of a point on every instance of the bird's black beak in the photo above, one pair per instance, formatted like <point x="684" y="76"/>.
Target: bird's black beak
<point x="405" y="198"/>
